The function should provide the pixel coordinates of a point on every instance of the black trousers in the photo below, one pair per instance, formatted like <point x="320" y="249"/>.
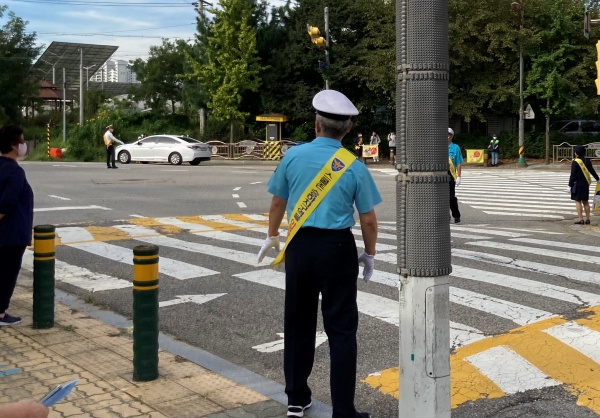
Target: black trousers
<point x="453" y="200"/>
<point x="10" y="262"/>
<point x="110" y="156"/>
<point x="321" y="261"/>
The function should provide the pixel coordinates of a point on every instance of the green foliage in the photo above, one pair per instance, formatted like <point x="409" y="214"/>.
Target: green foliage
<point x="231" y="65"/>
<point x="159" y="76"/>
<point x="17" y="52"/>
<point x="93" y="101"/>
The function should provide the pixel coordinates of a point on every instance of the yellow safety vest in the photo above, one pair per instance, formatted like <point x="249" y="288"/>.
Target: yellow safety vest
<point x="586" y="173"/>
<point x="452" y="169"/>
<point x="314" y="194"/>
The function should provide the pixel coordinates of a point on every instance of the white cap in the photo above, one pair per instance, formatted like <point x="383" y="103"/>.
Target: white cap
<point x="450" y="131"/>
<point x="332" y="104"/>
<point x="109" y="126"/>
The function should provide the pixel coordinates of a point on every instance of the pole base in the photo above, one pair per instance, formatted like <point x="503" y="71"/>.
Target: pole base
<point x="521" y="163"/>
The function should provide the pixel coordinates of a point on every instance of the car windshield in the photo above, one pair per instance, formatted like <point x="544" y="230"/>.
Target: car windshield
<point x="188" y="139"/>
<point x="559" y="125"/>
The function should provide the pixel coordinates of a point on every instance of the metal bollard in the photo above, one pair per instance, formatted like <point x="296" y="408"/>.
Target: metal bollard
<point x="43" y="276"/>
<point x="145" y="313"/>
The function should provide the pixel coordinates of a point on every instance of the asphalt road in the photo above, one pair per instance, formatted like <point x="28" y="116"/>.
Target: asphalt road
<point x="517" y="226"/>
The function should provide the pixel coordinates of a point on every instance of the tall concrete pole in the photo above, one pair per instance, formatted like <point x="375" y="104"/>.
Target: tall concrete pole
<point x="326" y="45"/>
<point x="81" y="88"/>
<point x="422" y="192"/>
<point x="64" y="115"/>
<point x="521" y="161"/>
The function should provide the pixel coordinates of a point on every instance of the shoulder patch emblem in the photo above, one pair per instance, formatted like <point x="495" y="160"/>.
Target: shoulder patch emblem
<point x="337" y="165"/>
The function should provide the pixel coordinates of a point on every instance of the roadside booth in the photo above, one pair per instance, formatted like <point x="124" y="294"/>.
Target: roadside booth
<point x="272" y="148"/>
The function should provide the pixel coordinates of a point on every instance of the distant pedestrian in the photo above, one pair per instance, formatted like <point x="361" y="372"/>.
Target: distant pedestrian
<point x="392" y="144"/>
<point x="24" y="409"/>
<point x="455" y="160"/>
<point x="494" y="148"/>
<point x="358" y="147"/>
<point x="109" y="141"/>
<point x="16" y="216"/>
<point x="579" y="184"/>
<point x="375" y="141"/>
<point x="142" y="136"/>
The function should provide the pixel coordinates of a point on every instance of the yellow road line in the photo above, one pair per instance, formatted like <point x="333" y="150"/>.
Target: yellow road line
<point x="217" y="226"/>
<point x="107" y="233"/>
<point x="154" y="224"/>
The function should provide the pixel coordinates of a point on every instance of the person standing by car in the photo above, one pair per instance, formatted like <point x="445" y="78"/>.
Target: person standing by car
<point x="579" y="184"/>
<point x="109" y="141"/>
<point x="16" y="216"/>
<point x="375" y="140"/>
<point x="392" y="144"/>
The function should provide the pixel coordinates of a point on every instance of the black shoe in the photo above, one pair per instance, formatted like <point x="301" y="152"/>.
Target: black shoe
<point x="456" y="220"/>
<point x="580" y="222"/>
<point x="9" y="320"/>
<point x="587" y="222"/>
<point x="114" y="166"/>
<point x="297" y="411"/>
<point x="108" y="167"/>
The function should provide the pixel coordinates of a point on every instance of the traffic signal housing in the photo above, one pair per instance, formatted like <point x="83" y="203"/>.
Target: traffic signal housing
<point x="315" y="36"/>
<point x="598" y="68"/>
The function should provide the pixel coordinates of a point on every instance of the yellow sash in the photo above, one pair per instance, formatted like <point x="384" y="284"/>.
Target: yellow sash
<point x="315" y="193"/>
<point x="452" y="168"/>
<point x="584" y="169"/>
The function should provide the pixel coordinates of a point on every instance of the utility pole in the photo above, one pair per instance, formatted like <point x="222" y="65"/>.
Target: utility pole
<point x="64" y="112"/>
<point x="422" y="192"/>
<point x="202" y="117"/>
<point x="521" y="163"/>
<point x="81" y="87"/>
<point x="87" y="76"/>
<point x="326" y="45"/>
<point x="202" y="18"/>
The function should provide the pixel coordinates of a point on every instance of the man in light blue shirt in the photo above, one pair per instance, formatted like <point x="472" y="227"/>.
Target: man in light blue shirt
<point x="455" y="156"/>
<point x="322" y="257"/>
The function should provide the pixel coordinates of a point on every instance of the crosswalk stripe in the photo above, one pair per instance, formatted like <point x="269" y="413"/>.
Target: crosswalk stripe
<point x="229" y="237"/>
<point x="538" y="251"/>
<point x="190" y="226"/>
<point x="579" y="247"/>
<point x="529" y="215"/>
<point x="210" y="250"/>
<point x="517" y="209"/>
<point x="466" y="236"/>
<point x="174" y="268"/>
<point x="522" y="203"/>
<point x="386" y="310"/>
<point x="224" y="220"/>
<point x="581" y="338"/>
<point x="381" y="235"/>
<point x="571" y="274"/>
<point x="153" y="223"/>
<point x="489" y="231"/>
<point x="71" y="234"/>
<point x="531" y="286"/>
<point x="513" y="374"/>
<point x="535" y="231"/>
<point x="507" y="189"/>
<point x="79" y="276"/>
<point x="519" y="314"/>
<point x="256" y="217"/>
<point x="555" y="196"/>
<point x="135" y="231"/>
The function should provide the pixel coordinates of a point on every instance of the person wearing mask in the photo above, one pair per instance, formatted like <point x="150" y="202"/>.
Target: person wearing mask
<point x="494" y="148"/>
<point x="579" y="184"/>
<point x="392" y="144"/>
<point x="109" y="141"/>
<point x="358" y="147"/>
<point x="455" y="160"/>
<point x="375" y="141"/>
<point x="16" y="216"/>
<point x="320" y="252"/>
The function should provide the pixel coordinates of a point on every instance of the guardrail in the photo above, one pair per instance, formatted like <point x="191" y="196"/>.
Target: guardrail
<point x="564" y="152"/>
<point x="249" y="149"/>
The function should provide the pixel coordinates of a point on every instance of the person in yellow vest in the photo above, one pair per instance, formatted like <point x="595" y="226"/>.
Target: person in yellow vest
<point x="109" y="141"/>
<point x="455" y="161"/>
<point x="582" y="171"/>
<point x="320" y="184"/>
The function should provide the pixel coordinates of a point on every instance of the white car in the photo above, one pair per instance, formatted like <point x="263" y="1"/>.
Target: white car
<point x="174" y="149"/>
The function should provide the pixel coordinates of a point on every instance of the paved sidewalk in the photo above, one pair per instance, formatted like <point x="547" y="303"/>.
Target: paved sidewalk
<point x="32" y="362"/>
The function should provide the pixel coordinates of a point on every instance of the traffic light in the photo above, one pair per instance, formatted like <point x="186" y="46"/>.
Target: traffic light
<point x="598" y="68"/>
<point x="315" y="35"/>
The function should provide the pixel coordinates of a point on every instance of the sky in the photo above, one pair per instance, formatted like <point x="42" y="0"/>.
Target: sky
<point x="132" y="29"/>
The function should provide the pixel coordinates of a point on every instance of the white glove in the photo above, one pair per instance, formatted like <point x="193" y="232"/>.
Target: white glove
<point x="458" y="181"/>
<point x="270" y="242"/>
<point x="568" y="190"/>
<point x="369" y="263"/>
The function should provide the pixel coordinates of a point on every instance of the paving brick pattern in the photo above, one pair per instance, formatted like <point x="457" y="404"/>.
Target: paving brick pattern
<point x="100" y="356"/>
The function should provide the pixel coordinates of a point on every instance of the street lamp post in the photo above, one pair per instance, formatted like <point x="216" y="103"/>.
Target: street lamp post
<point x="87" y="76"/>
<point x="518" y="6"/>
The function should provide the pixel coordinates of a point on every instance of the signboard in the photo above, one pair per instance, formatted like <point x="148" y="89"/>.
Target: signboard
<point x="475" y="155"/>
<point x="529" y="113"/>
<point x="370" y="151"/>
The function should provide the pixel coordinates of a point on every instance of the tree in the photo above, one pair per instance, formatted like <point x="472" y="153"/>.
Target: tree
<point x="17" y="52"/>
<point x="231" y="66"/>
<point x="159" y="76"/>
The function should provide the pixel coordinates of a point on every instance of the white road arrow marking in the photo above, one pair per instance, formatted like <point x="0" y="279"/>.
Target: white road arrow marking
<point x="274" y="346"/>
<point x="58" y="197"/>
<point x="197" y="299"/>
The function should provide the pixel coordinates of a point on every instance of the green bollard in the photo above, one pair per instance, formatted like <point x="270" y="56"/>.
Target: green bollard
<point x="145" y="313"/>
<point x="43" y="276"/>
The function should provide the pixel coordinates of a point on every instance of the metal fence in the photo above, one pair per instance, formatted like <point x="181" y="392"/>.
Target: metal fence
<point x="248" y="149"/>
<point x="564" y="152"/>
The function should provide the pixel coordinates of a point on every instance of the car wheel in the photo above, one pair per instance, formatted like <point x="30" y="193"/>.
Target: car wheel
<point x="124" y="157"/>
<point x="175" y="158"/>
<point x="195" y="162"/>
<point x="144" y="162"/>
